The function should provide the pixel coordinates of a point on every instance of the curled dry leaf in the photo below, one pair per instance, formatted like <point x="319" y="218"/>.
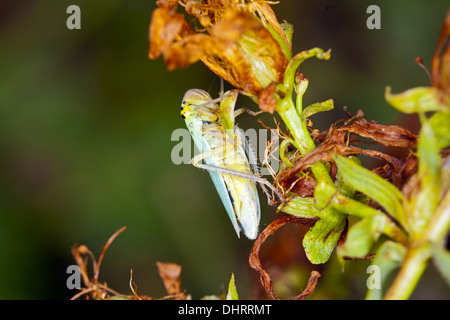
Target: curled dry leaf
<point x="266" y="98"/>
<point x="303" y="186"/>
<point x="255" y="262"/>
<point x="336" y="141"/>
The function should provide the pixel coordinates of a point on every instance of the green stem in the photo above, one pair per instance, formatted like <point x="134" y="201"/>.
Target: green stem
<point x="280" y="40"/>
<point x="409" y="275"/>
<point x="355" y="208"/>
<point x="290" y="115"/>
<point x="301" y="137"/>
<point x="296" y="61"/>
<point x="440" y="222"/>
<point x="419" y="252"/>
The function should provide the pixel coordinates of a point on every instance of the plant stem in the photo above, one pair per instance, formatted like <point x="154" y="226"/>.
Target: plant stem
<point x="440" y="222"/>
<point x="301" y="137"/>
<point x="419" y="252"/>
<point x="410" y="273"/>
<point x="302" y="140"/>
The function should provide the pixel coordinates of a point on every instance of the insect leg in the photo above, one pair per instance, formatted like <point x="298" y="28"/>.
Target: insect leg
<point x="196" y="162"/>
<point x="252" y="160"/>
<point x="240" y="175"/>
<point x="250" y="112"/>
<point x="253" y="163"/>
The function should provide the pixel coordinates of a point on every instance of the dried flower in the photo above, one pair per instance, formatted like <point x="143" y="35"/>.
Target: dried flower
<point x="241" y="41"/>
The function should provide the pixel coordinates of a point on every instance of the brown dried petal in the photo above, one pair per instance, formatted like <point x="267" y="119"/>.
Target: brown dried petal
<point x="388" y="135"/>
<point x="266" y="99"/>
<point x="166" y="27"/>
<point x="233" y="68"/>
<point x="303" y="186"/>
<point x="170" y="4"/>
<point x="189" y="50"/>
<point x="234" y="42"/>
<point x="267" y="52"/>
<point x="267" y="15"/>
<point x="210" y="12"/>
<point x="170" y="274"/>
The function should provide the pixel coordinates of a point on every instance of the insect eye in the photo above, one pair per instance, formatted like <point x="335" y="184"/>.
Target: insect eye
<point x="184" y="104"/>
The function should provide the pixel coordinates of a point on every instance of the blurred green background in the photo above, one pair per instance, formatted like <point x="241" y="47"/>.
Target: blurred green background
<point x="85" y="144"/>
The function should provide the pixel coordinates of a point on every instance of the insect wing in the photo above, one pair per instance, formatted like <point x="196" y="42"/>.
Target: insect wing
<point x="222" y="189"/>
<point x="253" y="222"/>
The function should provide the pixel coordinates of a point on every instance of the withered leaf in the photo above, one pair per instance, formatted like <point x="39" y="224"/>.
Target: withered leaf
<point x="387" y="135"/>
<point x="303" y="186"/>
<point x="266" y="99"/>
<point x="336" y="141"/>
<point x="235" y="44"/>
<point x="265" y="278"/>
<point x="170" y="274"/>
<point x="166" y="27"/>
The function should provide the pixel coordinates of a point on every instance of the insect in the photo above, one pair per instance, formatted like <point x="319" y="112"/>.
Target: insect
<point x="223" y="151"/>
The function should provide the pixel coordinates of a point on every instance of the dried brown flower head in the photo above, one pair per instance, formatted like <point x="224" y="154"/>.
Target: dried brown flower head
<point x="240" y="41"/>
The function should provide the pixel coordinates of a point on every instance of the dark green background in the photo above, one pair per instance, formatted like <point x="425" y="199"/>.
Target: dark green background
<point x="85" y="142"/>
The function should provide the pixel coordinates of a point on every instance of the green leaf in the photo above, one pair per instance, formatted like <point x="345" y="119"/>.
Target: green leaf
<point x="232" y="291"/>
<point x="301" y="207"/>
<point x="441" y="258"/>
<point x="288" y="31"/>
<point x="428" y="152"/>
<point x="372" y="185"/>
<point x="424" y="203"/>
<point x="317" y="107"/>
<point x="323" y="194"/>
<point x="342" y="185"/>
<point x="440" y="122"/>
<point x="389" y="256"/>
<point x="415" y="100"/>
<point x="360" y="238"/>
<point x="321" y="239"/>
<point x="210" y="297"/>
<point x="227" y="106"/>
<point x="381" y="222"/>
<point x="352" y="207"/>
